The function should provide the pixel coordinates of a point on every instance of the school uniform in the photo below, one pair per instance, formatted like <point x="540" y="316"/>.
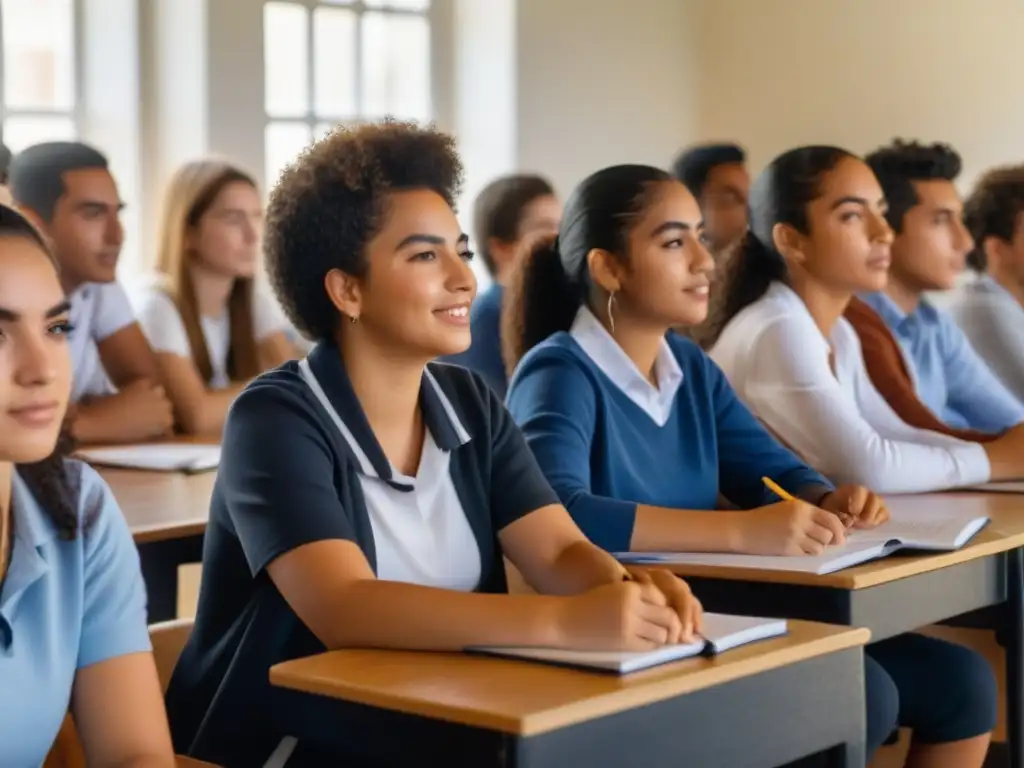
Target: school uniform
<point x="992" y="319"/>
<point x="484" y="353"/>
<point x="163" y="326"/>
<point x="300" y="464"/>
<point x="951" y="378"/>
<point x="814" y="393"/>
<point x="64" y="605"/>
<point x="98" y="311"/>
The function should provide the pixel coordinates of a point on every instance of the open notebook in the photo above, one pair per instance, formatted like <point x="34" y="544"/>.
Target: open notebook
<point x="933" y="523"/>
<point x="159" y="457"/>
<point x="721" y="633"/>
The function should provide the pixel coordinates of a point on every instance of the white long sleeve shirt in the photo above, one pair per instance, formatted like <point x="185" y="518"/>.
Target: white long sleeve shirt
<point x="777" y="360"/>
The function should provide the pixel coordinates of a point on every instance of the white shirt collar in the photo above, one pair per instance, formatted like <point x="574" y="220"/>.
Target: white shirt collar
<point x="607" y="355"/>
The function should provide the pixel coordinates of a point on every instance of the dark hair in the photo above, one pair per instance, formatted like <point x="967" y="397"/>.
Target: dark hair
<point x="694" y="165"/>
<point x="37" y="173"/>
<point x="5" y="162"/>
<point x="552" y="280"/>
<point x="993" y="209"/>
<point x="898" y="165"/>
<point x="498" y="210"/>
<point x="331" y="202"/>
<point x="48" y="479"/>
<point x="780" y="195"/>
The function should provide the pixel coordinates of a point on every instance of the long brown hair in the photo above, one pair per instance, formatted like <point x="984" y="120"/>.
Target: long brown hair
<point x="191" y="192"/>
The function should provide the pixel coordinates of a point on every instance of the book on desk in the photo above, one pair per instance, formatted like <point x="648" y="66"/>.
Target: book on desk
<point x="155" y="457"/>
<point x="721" y="633"/>
<point x="931" y="523"/>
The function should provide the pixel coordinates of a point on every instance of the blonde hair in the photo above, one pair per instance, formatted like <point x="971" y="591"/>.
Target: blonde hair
<point x="190" y="193"/>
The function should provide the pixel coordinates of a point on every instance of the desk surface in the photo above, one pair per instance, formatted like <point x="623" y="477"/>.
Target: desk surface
<point x="161" y="505"/>
<point x="1003" y="533"/>
<point x="527" y="699"/>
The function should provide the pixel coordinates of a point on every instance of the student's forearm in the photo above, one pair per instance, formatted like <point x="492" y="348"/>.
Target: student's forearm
<point x="97" y="422"/>
<point x="207" y="416"/>
<point x="679" y="530"/>
<point x="388" y="614"/>
<point x="580" y="566"/>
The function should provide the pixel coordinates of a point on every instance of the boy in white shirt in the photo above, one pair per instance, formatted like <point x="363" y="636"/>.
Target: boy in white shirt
<point x="66" y="189"/>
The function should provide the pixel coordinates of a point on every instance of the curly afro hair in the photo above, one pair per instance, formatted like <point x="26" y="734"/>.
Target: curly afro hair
<point x="331" y="202"/>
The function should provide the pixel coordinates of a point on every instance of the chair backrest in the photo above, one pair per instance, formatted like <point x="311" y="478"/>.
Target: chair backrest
<point x="168" y="638"/>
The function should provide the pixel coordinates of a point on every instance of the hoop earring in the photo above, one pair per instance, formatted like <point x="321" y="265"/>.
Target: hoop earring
<point x="611" y="311"/>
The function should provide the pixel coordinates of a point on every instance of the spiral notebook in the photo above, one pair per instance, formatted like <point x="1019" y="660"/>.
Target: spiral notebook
<point x="721" y="633"/>
<point x="155" y="457"/>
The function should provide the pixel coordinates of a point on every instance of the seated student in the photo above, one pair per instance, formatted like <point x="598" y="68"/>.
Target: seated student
<point x="509" y="212"/>
<point x="5" y="162"/>
<point x="818" y="236"/>
<point x="212" y="330"/>
<point x="990" y="308"/>
<point x="72" y="601"/>
<point x="67" y="191"/>
<point x="928" y="253"/>
<point x="639" y="432"/>
<point x="366" y="497"/>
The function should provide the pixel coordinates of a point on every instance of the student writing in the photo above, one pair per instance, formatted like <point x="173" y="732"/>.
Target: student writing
<point x="210" y="326"/>
<point x="818" y="236"/>
<point x="67" y="190"/>
<point x="365" y="496"/>
<point x="72" y="602"/>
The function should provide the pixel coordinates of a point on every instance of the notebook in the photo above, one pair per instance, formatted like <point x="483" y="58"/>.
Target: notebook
<point x="721" y="633"/>
<point x="1008" y="486"/>
<point x="934" y="523"/>
<point x="158" y="457"/>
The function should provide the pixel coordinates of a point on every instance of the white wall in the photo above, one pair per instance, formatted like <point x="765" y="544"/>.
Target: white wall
<point x="787" y="72"/>
<point x="601" y="83"/>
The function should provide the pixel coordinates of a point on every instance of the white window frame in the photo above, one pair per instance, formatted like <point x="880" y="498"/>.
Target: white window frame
<point x="313" y="119"/>
<point x="76" y="112"/>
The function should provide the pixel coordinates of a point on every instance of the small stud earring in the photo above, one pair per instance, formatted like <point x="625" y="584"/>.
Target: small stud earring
<point x="611" y="311"/>
<point x="353" y="319"/>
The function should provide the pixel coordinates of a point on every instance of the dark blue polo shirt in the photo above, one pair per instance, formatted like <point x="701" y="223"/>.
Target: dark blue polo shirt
<point x="288" y="477"/>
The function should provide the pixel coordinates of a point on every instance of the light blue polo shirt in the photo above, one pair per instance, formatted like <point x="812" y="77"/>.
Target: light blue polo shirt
<point x="949" y="376"/>
<point x="64" y="605"/>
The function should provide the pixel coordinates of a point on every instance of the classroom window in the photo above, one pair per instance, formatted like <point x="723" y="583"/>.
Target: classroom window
<point x="38" y="72"/>
<point x="331" y="62"/>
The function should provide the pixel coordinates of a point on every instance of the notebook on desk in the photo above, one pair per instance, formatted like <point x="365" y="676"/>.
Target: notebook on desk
<point x="1007" y="486"/>
<point x="721" y="633"/>
<point x="924" y="523"/>
<point x="155" y="457"/>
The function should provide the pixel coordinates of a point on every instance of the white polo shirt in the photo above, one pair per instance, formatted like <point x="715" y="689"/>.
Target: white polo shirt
<point x="98" y="311"/>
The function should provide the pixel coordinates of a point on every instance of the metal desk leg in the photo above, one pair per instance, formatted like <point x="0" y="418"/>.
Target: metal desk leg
<point x="1014" y="645"/>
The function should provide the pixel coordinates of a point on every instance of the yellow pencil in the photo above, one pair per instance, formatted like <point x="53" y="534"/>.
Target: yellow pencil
<point x="777" y="489"/>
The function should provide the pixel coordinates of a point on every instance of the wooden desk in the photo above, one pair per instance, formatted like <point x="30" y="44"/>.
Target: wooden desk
<point x="167" y="514"/>
<point x="979" y="585"/>
<point x="739" y="709"/>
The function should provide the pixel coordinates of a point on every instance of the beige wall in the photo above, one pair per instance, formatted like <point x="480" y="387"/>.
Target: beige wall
<point x="787" y="72"/>
<point x="605" y="82"/>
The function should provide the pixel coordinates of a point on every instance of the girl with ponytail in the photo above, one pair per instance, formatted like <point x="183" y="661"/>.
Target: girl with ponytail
<point x="818" y="235"/>
<point x="67" y="559"/>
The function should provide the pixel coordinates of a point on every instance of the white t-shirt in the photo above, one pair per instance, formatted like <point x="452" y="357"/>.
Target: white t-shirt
<point x="777" y="360"/>
<point x="163" y="326"/>
<point x="98" y="310"/>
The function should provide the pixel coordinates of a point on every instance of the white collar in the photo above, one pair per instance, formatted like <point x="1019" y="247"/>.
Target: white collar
<point x="607" y="355"/>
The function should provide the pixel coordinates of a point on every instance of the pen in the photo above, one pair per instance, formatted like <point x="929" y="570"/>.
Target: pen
<point x="785" y="495"/>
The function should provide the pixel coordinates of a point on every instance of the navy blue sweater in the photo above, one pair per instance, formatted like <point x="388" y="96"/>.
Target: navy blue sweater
<point x="604" y="455"/>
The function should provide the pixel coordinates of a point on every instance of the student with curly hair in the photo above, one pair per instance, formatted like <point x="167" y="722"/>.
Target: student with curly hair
<point x="366" y="496"/>
<point x="990" y="308"/>
<point x="72" y="600"/>
<point x="928" y="253"/>
<point x="510" y="212"/>
<point x="819" y="235"/>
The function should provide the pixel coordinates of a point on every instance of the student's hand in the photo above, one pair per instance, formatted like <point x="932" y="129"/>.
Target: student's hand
<point x="856" y="506"/>
<point x="789" y="528"/>
<point x="150" y="410"/>
<point x="621" y="616"/>
<point x="680" y="598"/>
